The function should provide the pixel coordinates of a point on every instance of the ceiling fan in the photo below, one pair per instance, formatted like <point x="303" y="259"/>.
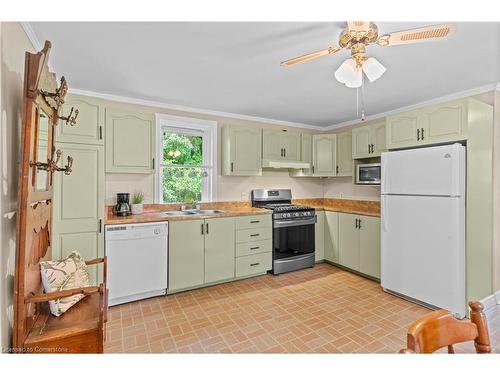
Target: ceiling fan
<point x="360" y="34"/>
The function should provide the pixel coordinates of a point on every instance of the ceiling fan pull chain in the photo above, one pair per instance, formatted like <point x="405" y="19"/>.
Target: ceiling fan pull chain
<point x="357" y="101"/>
<point x="362" y="97"/>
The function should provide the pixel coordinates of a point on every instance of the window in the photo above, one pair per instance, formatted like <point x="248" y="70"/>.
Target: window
<point x="185" y="151"/>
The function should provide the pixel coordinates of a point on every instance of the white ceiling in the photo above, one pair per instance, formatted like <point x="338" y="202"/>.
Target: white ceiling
<point x="234" y="67"/>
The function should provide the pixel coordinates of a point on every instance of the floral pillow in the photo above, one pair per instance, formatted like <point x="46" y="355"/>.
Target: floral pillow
<point x="63" y="274"/>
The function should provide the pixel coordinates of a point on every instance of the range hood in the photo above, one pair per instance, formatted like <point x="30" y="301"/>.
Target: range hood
<point x="285" y="164"/>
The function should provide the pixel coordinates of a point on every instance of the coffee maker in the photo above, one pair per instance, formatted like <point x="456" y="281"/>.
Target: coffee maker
<point x="122" y="207"/>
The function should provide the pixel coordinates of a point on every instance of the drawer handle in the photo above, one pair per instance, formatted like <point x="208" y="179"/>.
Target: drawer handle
<point x="254" y="235"/>
<point x="254" y="264"/>
<point x="255" y="248"/>
<point x="255" y="221"/>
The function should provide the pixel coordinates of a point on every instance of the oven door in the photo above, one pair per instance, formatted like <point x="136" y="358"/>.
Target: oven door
<point x="293" y="238"/>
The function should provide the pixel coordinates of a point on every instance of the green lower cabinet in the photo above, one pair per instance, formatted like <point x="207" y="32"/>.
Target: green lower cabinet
<point x="349" y="241"/>
<point x="219" y="249"/>
<point x="369" y="246"/>
<point x="186" y="254"/>
<point x="331" y="237"/>
<point x="319" y="253"/>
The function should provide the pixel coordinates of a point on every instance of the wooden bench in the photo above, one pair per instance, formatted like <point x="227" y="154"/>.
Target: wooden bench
<point x="81" y="329"/>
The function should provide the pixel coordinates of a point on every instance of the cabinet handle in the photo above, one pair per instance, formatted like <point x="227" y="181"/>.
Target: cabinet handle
<point x="359" y="224"/>
<point x="255" y="248"/>
<point x="100" y="132"/>
<point x="255" y="235"/>
<point x="369" y="148"/>
<point x="418" y="134"/>
<point x="284" y="152"/>
<point x="373" y="146"/>
<point x="337" y="169"/>
<point x="153" y="163"/>
<point x="207" y="229"/>
<point x="232" y="167"/>
<point x="202" y="231"/>
<point x="422" y="134"/>
<point x="313" y="169"/>
<point x="356" y="223"/>
<point x="100" y="225"/>
<point x="255" y="221"/>
<point x="254" y="264"/>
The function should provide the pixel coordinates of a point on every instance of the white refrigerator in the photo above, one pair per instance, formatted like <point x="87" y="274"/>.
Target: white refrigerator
<point x="423" y="225"/>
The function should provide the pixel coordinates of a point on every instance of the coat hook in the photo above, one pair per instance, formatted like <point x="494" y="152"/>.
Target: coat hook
<point x="69" y="119"/>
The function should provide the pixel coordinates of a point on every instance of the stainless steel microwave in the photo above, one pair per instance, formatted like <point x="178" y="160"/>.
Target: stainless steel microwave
<point x="368" y="174"/>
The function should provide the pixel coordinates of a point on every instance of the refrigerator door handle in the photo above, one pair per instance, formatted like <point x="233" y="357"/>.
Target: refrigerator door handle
<point x="384" y="216"/>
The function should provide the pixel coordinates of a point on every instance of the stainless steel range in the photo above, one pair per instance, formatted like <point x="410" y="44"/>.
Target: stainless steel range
<point x="293" y="230"/>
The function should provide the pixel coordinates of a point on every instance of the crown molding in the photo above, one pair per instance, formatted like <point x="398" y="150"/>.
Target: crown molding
<point x="35" y="42"/>
<point x="439" y="100"/>
<point x="181" y="108"/>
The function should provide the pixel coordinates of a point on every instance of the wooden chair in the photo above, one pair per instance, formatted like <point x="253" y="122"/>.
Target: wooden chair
<point x="440" y="329"/>
<point x="81" y="329"/>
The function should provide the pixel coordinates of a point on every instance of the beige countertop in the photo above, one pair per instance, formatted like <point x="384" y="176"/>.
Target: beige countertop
<point x="239" y="208"/>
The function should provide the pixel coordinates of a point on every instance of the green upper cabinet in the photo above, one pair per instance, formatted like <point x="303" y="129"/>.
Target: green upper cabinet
<point x="324" y="155"/>
<point x="368" y="141"/>
<point x="369" y="246"/>
<point x="447" y="122"/>
<point x="241" y="151"/>
<point x="130" y="145"/>
<point x="344" y="154"/>
<point x="219" y="249"/>
<point x="402" y="129"/>
<point x="89" y="125"/>
<point x="305" y="156"/>
<point x="280" y="145"/>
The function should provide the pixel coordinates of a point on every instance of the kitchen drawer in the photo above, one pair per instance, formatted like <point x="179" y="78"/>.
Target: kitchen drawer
<point x="256" y="234"/>
<point x="254" y="247"/>
<point x="253" y="264"/>
<point x="248" y="222"/>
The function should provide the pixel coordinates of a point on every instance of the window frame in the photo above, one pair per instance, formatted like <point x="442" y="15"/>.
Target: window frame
<point x="189" y="126"/>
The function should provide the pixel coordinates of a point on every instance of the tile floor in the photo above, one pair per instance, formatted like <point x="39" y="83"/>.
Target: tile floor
<point x="319" y="310"/>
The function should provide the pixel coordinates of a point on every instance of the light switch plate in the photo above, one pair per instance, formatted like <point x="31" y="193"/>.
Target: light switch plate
<point x="244" y="196"/>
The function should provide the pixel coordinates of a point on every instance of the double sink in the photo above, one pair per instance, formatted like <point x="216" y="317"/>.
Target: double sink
<point x="190" y="212"/>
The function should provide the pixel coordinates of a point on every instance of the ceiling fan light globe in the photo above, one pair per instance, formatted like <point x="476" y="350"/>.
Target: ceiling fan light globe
<point x="355" y="80"/>
<point x="373" y="69"/>
<point x="348" y="73"/>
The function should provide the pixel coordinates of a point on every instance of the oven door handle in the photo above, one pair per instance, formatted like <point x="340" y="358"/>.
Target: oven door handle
<point x="294" y="223"/>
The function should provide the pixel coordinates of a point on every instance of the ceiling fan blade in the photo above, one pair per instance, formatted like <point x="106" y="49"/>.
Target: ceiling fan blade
<point x="424" y="34"/>
<point x="311" y="56"/>
<point x="358" y="26"/>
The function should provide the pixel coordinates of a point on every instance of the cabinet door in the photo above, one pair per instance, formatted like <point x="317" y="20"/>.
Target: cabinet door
<point x="241" y="151"/>
<point x="219" y="249"/>
<point x="361" y="139"/>
<point x="324" y="154"/>
<point x="369" y="246"/>
<point x="272" y="147"/>
<point x="319" y="238"/>
<point x="378" y="139"/>
<point x="344" y="154"/>
<point x="186" y="254"/>
<point x="305" y="156"/>
<point x="129" y="142"/>
<point x="401" y="130"/>
<point x="89" y="123"/>
<point x="348" y="241"/>
<point x="79" y="196"/>
<point x="445" y="122"/>
<point x="88" y="244"/>
<point x="291" y="144"/>
<point x="331" y="236"/>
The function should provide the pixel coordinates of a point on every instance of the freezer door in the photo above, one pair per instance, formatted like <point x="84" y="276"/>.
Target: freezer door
<point x="424" y="171"/>
<point x="423" y="249"/>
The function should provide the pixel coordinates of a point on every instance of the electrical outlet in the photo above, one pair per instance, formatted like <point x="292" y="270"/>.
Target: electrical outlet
<point x="341" y="195"/>
<point x="244" y="196"/>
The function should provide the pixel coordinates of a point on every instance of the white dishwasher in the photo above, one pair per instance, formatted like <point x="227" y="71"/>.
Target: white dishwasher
<point x="137" y="261"/>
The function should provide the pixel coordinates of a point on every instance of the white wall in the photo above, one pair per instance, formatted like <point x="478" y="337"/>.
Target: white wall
<point x="14" y="43"/>
<point x="342" y="187"/>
